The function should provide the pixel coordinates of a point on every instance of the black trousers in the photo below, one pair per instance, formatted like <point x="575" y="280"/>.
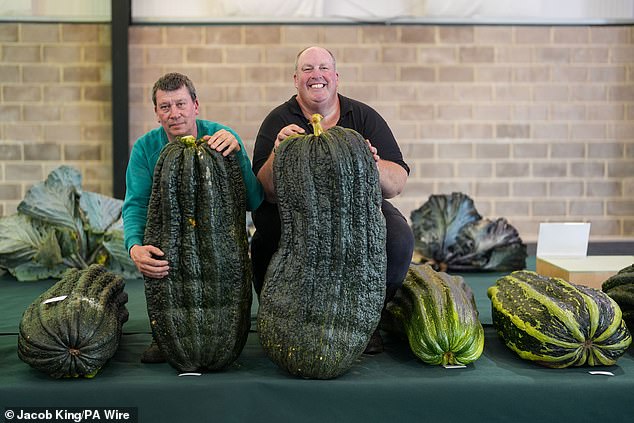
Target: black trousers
<point x="399" y="244"/>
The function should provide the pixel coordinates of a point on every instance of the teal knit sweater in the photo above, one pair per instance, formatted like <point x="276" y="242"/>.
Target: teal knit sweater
<point x="139" y="175"/>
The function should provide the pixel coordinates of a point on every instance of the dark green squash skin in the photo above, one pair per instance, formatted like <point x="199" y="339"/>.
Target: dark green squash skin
<point x="201" y="312"/>
<point x="325" y="286"/>
<point x="620" y="288"/>
<point x="76" y="336"/>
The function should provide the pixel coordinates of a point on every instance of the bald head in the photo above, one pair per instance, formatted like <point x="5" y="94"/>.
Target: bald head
<point x="313" y="48"/>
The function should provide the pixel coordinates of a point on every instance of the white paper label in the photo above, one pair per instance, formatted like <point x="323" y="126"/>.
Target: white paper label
<point x="55" y="299"/>
<point x="454" y="366"/>
<point x="568" y="239"/>
<point x="597" y="372"/>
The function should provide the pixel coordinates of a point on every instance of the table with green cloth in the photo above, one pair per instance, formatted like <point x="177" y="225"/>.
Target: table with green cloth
<point x="392" y="386"/>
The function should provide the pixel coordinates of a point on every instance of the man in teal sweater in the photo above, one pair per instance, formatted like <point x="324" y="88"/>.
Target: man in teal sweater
<point x="176" y="107"/>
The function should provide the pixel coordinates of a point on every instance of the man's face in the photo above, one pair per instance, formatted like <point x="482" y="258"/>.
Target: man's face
<point x="315" y="78"/>
<point x="176" y="112"/>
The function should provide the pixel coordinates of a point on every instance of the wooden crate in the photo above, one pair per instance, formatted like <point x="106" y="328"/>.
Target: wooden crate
<point x="590" y="271"/>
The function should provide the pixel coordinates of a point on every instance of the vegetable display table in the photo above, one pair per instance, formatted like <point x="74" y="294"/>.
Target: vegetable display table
<point x="393" y="386"/>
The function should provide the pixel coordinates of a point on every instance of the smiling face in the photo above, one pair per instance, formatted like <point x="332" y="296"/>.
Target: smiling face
<point x="316" y="79"/>
<point x="176" y="112"/>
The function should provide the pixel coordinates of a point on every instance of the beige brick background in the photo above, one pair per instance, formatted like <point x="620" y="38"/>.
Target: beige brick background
<point x="55" y="91"/>
<point x="534" y="123"/>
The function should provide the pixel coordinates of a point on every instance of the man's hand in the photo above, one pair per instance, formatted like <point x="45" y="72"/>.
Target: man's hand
<point x="265" y="174"/>
<point x="143" y="258"/>
<point x="222" y="141"/>
<point x="373" y="150"/>
<point x="287" y="131"/>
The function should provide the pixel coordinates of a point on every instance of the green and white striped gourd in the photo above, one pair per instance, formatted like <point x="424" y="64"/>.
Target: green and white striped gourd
<point x="439" y="316"/>
<point x="556" y="323"/>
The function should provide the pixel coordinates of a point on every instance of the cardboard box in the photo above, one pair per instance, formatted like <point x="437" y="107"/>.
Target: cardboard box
<point x="590" y="271"/>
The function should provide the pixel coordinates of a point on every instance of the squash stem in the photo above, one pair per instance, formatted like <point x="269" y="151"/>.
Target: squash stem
<point x="448" y="358"/>
<point x="315" y="120"/>
<point x="188" y="140"/>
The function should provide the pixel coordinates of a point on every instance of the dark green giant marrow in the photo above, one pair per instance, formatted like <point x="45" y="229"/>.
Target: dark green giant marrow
<point x="201" y="312"/>
<point x="325" y="286"/>
<point x="556" y="323"/>
<point x="74" y="328"/>
<point x="439" y="316"/>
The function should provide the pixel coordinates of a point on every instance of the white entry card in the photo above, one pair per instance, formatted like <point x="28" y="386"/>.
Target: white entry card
<point x="569" y="239"/>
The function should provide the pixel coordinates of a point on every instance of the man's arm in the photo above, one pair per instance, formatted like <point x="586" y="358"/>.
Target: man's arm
<point x="265" y="176"/>
<point x="392" y="178"/>
<point x="137" y="196"/>
<point x="393" y="171"/>
<point x="138" y="189"/>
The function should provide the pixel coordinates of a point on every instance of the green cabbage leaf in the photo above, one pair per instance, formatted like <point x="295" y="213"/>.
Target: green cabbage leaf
<point x="58" y="225"/>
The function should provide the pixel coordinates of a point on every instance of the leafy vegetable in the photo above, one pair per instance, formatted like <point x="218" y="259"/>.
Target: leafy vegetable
<point x="60" y="226"/>
<point x="451" y="235"/>
<point x="54" y="199"/>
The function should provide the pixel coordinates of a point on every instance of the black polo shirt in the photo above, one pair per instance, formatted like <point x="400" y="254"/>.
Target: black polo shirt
<point x="353" y="114"/>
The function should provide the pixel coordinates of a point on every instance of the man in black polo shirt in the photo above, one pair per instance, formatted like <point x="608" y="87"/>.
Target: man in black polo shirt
<point x="316" y="80"/>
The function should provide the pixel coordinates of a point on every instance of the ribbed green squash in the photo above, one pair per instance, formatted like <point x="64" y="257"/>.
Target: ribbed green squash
<point x="620" y="288"/>
<point x="201" y="311"/>
<point x="555" y="323"/>
<point x="74" y="328"/>
<point x="325" y="286"/>
<point x="624" y="276"/>
<point x="439" y="316"/>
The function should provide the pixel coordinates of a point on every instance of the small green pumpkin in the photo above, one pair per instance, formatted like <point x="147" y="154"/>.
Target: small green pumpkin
<point x="74" y="328"/>
<point x="201" y="311"/>
<point x="325" y="286"/>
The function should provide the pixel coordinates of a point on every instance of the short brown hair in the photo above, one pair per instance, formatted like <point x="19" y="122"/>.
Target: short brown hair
<point x="172" y="82"/>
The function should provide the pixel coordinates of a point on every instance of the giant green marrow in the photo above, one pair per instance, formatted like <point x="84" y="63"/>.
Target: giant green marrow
<point x="200" y="312"/>
<point x="556" y="323"/>
<point x="325" y="286"/>
<point x="74" y="328"/>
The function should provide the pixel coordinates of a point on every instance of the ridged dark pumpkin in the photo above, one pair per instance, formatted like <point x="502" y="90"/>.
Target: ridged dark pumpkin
<point x="201" y="312"/>
<point x="556" y="323"/>
<point x="325" y="286"/>
<point x="74" y="328"/>
<point x="620" y="288"/>
<point x="439" y="316"/>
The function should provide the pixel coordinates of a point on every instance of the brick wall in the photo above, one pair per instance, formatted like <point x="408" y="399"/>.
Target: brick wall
<point x="534" y="123"/>
<point x="55" y="107"/>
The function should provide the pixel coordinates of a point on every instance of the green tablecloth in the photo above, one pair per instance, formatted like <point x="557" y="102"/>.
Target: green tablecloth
<point x="393" y="386"/>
